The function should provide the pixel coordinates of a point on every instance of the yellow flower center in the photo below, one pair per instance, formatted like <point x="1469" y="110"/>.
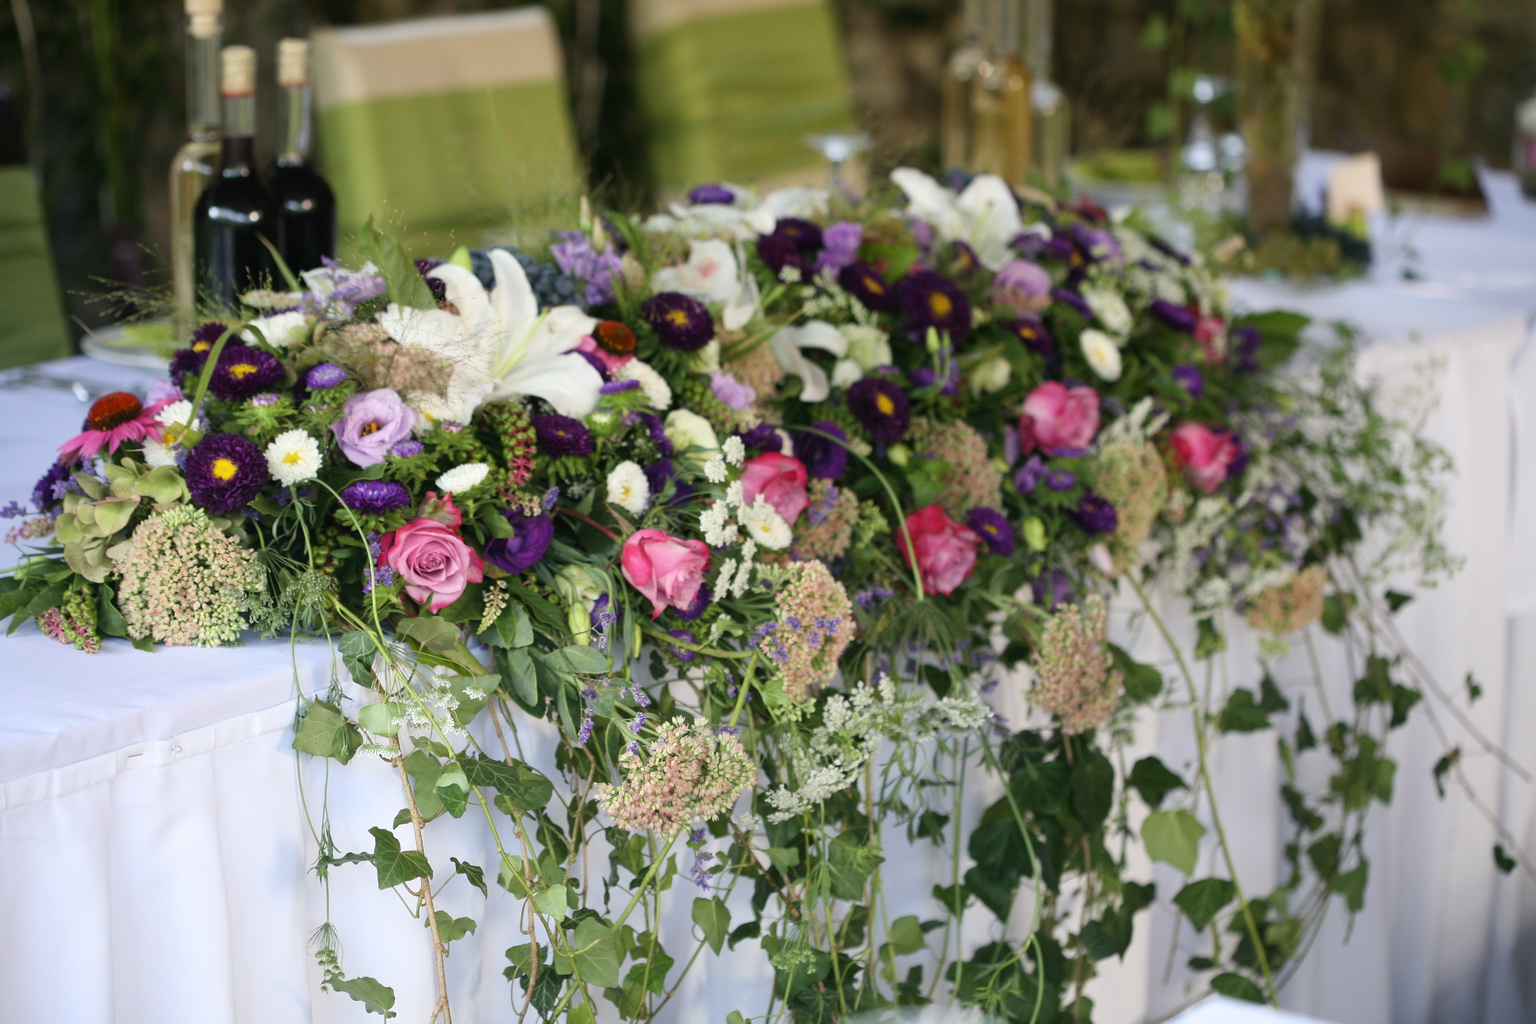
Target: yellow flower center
<point x="885" y="405"/>
<point x="224" y="469"/>
<point x="240" y="371"/>
<point x="875" y="285"/>
<point x="940" y="304"/>
<point x="678" y="317"/>
<point x="369" y="428"/>
<point x="293" y="458"/>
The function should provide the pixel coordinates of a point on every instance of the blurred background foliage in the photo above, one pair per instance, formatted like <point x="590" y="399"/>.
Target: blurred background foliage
<point x="1429" y="84"/>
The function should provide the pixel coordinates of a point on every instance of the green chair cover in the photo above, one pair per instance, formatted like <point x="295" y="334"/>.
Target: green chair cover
<point x="731" y="88"/>
<point x="449" y="131"/>
<point x="33" y="312"/>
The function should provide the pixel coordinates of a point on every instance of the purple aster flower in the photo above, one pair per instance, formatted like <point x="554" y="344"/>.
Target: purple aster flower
<point x="1174" y="315"/>
<point x="190" y="360"/>
<point x="881" y="407"/>
<point x="730" y="391"/>
<point x="867" y="284"/>
<point x="224" y="472"/>
<point x="1060" y="480"/>
<point x="1069" y="298"/>
<point x="696" y="607"/>
<point x="993" y="529"/>
<point x="1031" y="331"/>
<point x="762" y="438"/>
<point x="961" y="259"/>
<point x="438" y="288"/>
<point x="521" y="551"/>
<point x="577" y="258"/>
<point x="1060" y="248"/>
<point x="50" y="490"/>
<point x="1187" y="376"/>
<point x="244" y="372"/>
<point x="373" y="422"/>
<point x="657" y="430"/>
<point x="933" y="300"/>
<point x="842" y="241"/>
<point x="780" y="251"/>
<point x="407" y="449"/>
<point x="1095" y="244"/>
<point x="617" y="387"/>
<point x="1028" y="244"/>
<point x="1245" y="342"/>
<point x="559" y="436"/>
<point x="682" y="654"/>
<point x="324" y="376"/>
<point x="805" y="235"/>
<point x="596" y="362"/>
<point x="375" y="497"/>
<point x="680" y="322"/>
<point x="1029" y="474"/>
<point x="716" y="195"/>
<point x="825" y="458"/>
<point x="1022" y="286"/>
<point x="1096" y="515"/>
<point x="1053" y="588"/>
<point x="263" y="400"/>
<point x="660" y="473"/>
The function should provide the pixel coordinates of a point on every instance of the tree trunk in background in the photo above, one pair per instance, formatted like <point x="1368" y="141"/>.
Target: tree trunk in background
<point x="1275" y="46"/>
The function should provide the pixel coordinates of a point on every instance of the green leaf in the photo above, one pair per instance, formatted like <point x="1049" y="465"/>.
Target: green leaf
<point x="1324" y="854"/>
<point x="713" y="919"/>
<point x="1041" y="786"/>
<point x="451" y="928"/>
<point x="783" y="857"/>
<point x="1107" y="936"/>
<point x="1201" y="900"/>
<point x="906" y="935"/>
<point x="1335" y="614"/>
<point x="1237" y="986"/>
<point x="1474" y="688"/>
<point x="1502" y="860"/>
<point x="1154" y="781"/>
<point x="406" y="285"/>
<point x="1242" y="713"/>
<point x="379" y="718"/>
<point x="108" y="619"/>
<point x="554" y="901"/>
<point x="1208" y="640"/>
<point x="1395" y="600"/>
<point x="1270" y="697"/>
<point x="512" y="628"/>
<point x="376" y="998"/>
<point x="524" y="788"/>
<point x="1173" y="837"/>
<point x="430" y="633"/>
<point x="1142" y="682"/>
<point x="849" y="864"/>
<point x="1093" y="787"/>
<point x="577" y="659"/>
<point x="357" y="651"/>
<point x="325" y="732"/>
<point x="524" y="677"/>
<point x="473" y="872"/>
<point x="596" y="953"/>
<point x="394" y="864"/>
<point x="1351" y="885"/>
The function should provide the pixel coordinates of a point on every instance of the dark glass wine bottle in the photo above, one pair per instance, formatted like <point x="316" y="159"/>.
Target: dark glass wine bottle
<point x="236" y="215"/>
<point x="306" y="207"/>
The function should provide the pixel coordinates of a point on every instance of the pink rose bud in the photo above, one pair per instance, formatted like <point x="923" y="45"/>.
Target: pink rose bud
<point x="435" y="564"/>
<point x="1060" y="417"/>
<point x="945" y="550"/>
<point x="1205" y="454"/>
<point x="780" y="479"/>
<point x="665" y="569"/>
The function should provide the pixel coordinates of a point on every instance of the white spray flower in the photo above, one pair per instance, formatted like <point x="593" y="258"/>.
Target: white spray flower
<point x="294" y="457"/>
<point x="463" y="478"/>
<point x="735" y="450"/>
<point x="628" y="488"/>
<point x="766" y="526"/>
<point x="1102" y="353"/>
<point x="657" y="391"/>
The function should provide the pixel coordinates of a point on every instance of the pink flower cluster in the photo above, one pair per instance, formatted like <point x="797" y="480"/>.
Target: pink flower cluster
<point x="1293" y="605"/>
<point x="814" y="626"/>
<point x="187" y="582"/>
<point x="688" y="774"/>
<point x="435" y="563"/>
<point x="1077" y="681"/>
<point x="780" y="480"/>
<point x="828" y="527"/>
<point x="1057" y="417"/>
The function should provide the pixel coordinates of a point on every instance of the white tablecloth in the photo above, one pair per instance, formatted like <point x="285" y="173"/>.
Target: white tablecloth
<point x="154" y="847"/>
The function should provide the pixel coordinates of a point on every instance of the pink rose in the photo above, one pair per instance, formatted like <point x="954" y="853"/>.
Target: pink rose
<point x="946" y="551"/>
<point x="665" y="569"/>
<point x="434" y="562"/>
<point x="1059" y="417"/>
<point x="1207" y="455"/>
<point x="780" y="479"/>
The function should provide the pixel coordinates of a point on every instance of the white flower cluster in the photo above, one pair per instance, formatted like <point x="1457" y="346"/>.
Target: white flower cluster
<point x="1136" y="427"/>
<point x="732" y="453"/>
<point x="463" y="478"/>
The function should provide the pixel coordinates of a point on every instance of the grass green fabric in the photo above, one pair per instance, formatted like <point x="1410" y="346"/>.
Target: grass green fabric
<point x="452" y="168"/>
<point x="732" y="98"/>
<point x="30" y="304"/>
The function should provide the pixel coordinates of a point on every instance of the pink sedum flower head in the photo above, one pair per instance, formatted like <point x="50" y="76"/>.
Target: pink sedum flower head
<point x="944" y="551"/>
<point x="1206" y="455"/>
<point x="780" y="479"/>
<point x="665" y="569"/>
<point x="1056" y="417"/>
<point x="436" y="565"/>
<point x="687" y="774"/>
<point x="112" y="420"/>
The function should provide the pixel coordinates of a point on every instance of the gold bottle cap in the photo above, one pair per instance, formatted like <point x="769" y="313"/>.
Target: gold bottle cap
<point x="238" y="75"/>
<point x="293" y="62"/>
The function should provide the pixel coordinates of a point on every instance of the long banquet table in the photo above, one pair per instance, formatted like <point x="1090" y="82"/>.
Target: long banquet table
<point x="155" y="827"/>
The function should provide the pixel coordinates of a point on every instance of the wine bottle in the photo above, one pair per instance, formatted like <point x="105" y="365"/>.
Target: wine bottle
<point x="1000" y="103"/>
<point x="306" y="207"/>
<point x="236" y="216"/>
<point x="1052" y="117"/>
<point x="196" y="162"/>
<point x="959" y="77"/>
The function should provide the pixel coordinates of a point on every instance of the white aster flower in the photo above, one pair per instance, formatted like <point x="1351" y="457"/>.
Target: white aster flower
<point x="766" y="526"/>
<point x="158" y="453"/>
<point x="294" y="457"/>
<point x="735" y="450"/>
<point x="280" y="330"/>
<point x="628" y="488"/>
<point x="657" y="391"/>
<point x="1102" y="353"/>
<point x="174" y="414"/>
<point x="462" y="478"/>
<point x="1110" y="309"/>
<point x="686" y="429"/>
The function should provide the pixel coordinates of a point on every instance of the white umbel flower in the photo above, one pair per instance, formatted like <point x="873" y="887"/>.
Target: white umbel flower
<point x="294" y="457"/>
<point x="715" y="523"/>
<point x="1102" y="353"/>
<point x="463" y="478"/>
<point x="628" y="488"/>
<point x="657" y="391"/>
<point x="714" y="469"/>
<point x="764" y="525"/>
<point x="734" y="449"/>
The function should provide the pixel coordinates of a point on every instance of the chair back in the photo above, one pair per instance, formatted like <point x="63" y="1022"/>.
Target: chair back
<point x="34" y="325"/>
<point x="449" y="131"/>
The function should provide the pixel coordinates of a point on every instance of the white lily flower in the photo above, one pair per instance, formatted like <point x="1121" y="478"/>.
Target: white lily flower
<point x="500" y="344"/>
<point x="710" y="275"/>
<point x="788" y="345"/>
<point x="984" y="216"/>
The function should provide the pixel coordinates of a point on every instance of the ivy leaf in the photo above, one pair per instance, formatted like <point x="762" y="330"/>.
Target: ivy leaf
<point x="1093" y="787"/>
<point x="849" y="865"/>
<point x="430" y="633"/>
<point x="394" y="864"/>
<point x="906" y="935"/>
<point x="1396" y="601"/>
<point x="1208" y="640"/>
<point x="1142" y="682"/>
<point x="577" y="659"/>
<point x="524" y="788"/>
<point x="1237" y="986"/>
<point x="1502" y="860"/>
<point x="552" y="901"/>
<point x="451" y="928"/>
<point x="1242" y="713"/>
<point x="1173" y="837"/>
<point x="1154" y="781"/>
<point x="376" y="998"/>
<point x="596" y="953"/>
<point x="1335" y="613"/>
<point x="713" y="919"/>
<point x="473" y="872"/>
<point x="1474" y="688"/>
<point x="357" y="652"/>
<point x="325" y="732"/>
<point x="1201" y="900"/>
<point x="1270" y="697"/>
<point x="1108" y="936"/>
<point x="1351" y="885"/>
<point x="379" y="718"/>
<point x="1041" y="786"/>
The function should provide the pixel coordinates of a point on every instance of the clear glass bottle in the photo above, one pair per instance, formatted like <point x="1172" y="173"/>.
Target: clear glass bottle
<point x="1052" y="117"/>
<point x="306" y="218"/>
<point x="1525" y="146"/>
<point x="1005" y="82"/>
<point x="959" y="77"/>
<point x="197" y="160"/>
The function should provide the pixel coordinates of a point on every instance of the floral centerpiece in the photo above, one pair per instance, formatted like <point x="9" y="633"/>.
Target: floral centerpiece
<point x="755" y="504"/>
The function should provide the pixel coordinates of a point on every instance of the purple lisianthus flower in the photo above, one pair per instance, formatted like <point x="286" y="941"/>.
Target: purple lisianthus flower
<point x="993" y="529"/>
<point x="681" y="322"/>
<point x="1022" y="287"/>
<point x="865" y="283"/>
<point x="373" y="422"/>
<point x="697" y="606"/>
<point x="375" y="497"/>
<point x="50" y="490"/>
<point x="825" y="458"/>
<point x="243" y="372"/>
<point x="1096" y="515"/>
<point x="1029" y="475"/>
<point x="521" y="551"/>
<point x="661" y="473"/>
<point x="933" y="300"/>
<point x="1174" y="315"/>
<point x="841" y="241"/>
<point x="1060" y="248"/>
<point x="224" y="472"/>
<point x="1187" y="376"/>
<point x="657" y="431"/>
<point x="1097" y="245"/>
<point x="1069" y="298"/>
<point x="881" y="407"/>
<point x="559" y="436"/>
<point x="730" y="391"/>
<point x="1244" y="342"/>
<point x="1028" y="244"/>
<point x="162" y="391"/>
<point x="716" y="195"/>
<point x="1053" y="588"/>
<point x="324" y="376"/>
<point x="1061" y="479"/>
<point x="407" y="449"/>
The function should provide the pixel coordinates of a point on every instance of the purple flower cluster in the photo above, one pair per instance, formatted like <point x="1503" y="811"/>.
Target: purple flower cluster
<point x="595" y="270"/>
<point x="1096" y="515"/>
<point x="54" y="484"/>
<point x="324" y="376"/>
<point x="823" y="449"/>
<point x="881" y="407"/>
<point x="930" y="299"/>
<point x="866" y="284"/>
<point x="1178" y="317"/>
<point x="375" y="497"/>
<point x="711" y="195"/>
<point x="994" y="530"/>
